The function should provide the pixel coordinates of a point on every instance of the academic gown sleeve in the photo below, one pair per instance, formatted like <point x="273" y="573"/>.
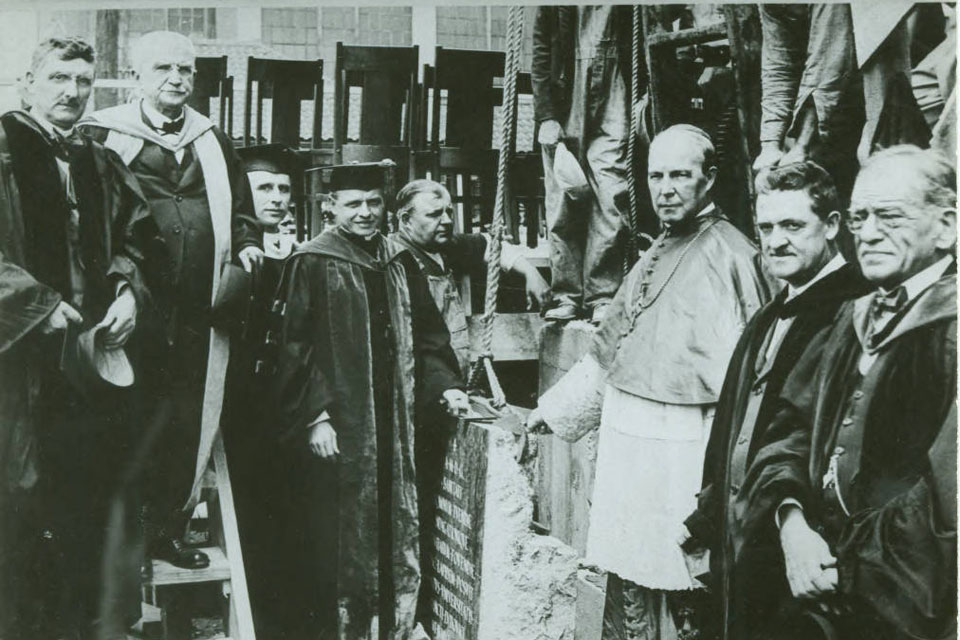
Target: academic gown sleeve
<point x="302" y="390"/>
<point x="246" y="232"/>
<point x="899" y="559"/>
<point x="24" y="301"/>
<point x="780" y="468"/>
<point x="132" y="227"/>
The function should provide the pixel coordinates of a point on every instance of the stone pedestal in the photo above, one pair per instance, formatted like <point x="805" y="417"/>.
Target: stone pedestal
<point x="493" y="577"/>
<point x="565" y="471"/>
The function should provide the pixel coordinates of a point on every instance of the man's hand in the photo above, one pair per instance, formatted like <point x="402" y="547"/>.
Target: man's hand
<point x="58" y="319"/>
<point x="323" y="440"/>
<point x="550" y="133"/>
<point x="456" y="403"/>
<point x="120" y="320"/>
<point x="251" y="258"/>
<point x="811" y="568"/>
<point x="538" y="291"/>
<point x="770" y="155"/>
<point x="536" y="423"/>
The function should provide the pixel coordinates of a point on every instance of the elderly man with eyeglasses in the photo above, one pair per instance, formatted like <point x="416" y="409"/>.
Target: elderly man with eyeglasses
<point x="859" y="467"/>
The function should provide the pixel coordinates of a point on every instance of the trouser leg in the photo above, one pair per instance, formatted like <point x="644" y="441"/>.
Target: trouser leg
<point x="173" y="424"/>
<point x="566" y="224"/>
<point x="607" y="167"/>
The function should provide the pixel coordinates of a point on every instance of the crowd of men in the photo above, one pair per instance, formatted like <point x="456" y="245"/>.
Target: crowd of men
<point x="786" y="409"/>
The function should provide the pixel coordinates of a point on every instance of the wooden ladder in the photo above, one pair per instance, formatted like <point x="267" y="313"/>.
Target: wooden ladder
<point x="226" y="565"/>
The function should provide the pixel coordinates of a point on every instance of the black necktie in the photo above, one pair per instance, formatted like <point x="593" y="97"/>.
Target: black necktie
<point x="171" y="126"/>
<point x="67" y="146"/>
<point x="884" y="303"/>
<point x="890" y="302"/>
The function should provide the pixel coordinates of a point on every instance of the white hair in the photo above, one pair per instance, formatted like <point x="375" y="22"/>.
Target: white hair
<point x="143" y="47"/>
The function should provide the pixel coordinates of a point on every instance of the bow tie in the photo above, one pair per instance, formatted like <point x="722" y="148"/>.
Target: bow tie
<point x="66" y="146"/>
<point x="171" y="126"/>
<point x="889" y="302"/>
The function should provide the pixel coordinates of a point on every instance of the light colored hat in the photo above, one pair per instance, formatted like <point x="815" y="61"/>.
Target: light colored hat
<point x="90" y="367"/>
<point x="569" y="174"/>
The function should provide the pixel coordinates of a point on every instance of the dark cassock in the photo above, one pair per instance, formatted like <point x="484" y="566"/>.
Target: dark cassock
<point x="253" y="452"/>
<point x="72" y="219"/>
<point x="858" y="442"/>
<point x="200" y="202"/>
<point x="362" y="340"/>
<point x="748" y="575"/>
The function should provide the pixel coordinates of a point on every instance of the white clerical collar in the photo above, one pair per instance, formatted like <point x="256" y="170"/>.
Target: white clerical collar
<point x="833" y="265"/>
<point x="156" y="118"/>
<point x="918" y="282"/>
<point x="49" y="127"/>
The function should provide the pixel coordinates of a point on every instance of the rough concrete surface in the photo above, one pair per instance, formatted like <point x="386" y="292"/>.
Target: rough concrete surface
<point x="529" y="581"/>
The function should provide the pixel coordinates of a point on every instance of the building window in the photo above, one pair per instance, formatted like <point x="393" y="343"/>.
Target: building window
<point x="196" y="23"/>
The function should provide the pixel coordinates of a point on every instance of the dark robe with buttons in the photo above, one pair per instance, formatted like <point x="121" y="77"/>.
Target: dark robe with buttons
<point x="179" y="271"/>
<point x="864" y="456"/>
<point x="361" y="339"/>
<point x="746" y="588"/>
<point x="253" y="452"/>
<point x="61" y="452"/>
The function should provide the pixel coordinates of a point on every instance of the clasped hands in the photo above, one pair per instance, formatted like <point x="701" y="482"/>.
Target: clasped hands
<point x="811" y="567"/>
<point x="322" y="440"/>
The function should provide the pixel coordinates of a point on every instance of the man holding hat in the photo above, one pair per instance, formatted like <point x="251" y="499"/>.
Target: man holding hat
<point x="70" y="288"/>
<point x="363" y="351"/>
<point x="200" y="202"/>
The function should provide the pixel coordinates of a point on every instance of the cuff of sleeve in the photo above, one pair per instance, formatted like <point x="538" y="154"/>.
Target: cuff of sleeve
<point x="510" y="254"/>
<point x="786" y="502"/>
<point x="121" y="286"/>
<point x="323" y="417"/>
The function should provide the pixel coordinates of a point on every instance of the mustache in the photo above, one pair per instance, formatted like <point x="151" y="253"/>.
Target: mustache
<point x="69" y="102"/>
<point x="780" y="253"/>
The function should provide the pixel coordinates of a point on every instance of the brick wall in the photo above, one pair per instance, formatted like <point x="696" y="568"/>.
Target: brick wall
<point x="293" y="32"/>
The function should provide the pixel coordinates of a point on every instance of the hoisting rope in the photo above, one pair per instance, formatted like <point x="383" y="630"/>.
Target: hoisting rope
<point x="633" y="240"/>
<point x="484" y="363"/>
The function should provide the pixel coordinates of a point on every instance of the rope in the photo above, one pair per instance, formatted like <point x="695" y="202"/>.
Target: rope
<point x="632" y="244"/>
<point x="512" y="66"/>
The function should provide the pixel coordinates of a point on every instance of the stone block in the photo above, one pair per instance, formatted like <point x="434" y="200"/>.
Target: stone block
<point x="494" y="578"/>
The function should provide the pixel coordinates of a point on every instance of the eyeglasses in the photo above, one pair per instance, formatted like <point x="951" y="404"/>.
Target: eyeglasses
<point x="885" y="219"/>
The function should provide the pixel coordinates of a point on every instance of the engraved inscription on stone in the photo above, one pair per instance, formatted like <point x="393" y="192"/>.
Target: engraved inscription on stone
<point x="453" y="573"/>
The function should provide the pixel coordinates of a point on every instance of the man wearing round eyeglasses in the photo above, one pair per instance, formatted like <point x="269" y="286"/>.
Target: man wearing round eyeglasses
<point x="859" y="473"/>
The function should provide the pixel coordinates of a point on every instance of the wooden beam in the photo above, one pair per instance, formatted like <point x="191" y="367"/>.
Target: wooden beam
<point x="516" y="336"/>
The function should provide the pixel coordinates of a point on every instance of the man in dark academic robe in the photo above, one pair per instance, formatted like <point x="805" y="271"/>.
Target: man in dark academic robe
<point x="200" y="201"/>
<point x="853" y="473"/>
<point x="798" y="221"/>
<point x="650" y="384"/>
<point x="253" y="453"/>
<point x="363" y="351"/>
<point x="70" y="217"/>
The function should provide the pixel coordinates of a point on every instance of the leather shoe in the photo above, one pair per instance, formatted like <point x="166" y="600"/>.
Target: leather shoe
<point x="179" y="555"/>
<point x="561" y="313"/>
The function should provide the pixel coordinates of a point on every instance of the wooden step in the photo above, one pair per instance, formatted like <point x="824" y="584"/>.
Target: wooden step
<point x="165" y="573"/>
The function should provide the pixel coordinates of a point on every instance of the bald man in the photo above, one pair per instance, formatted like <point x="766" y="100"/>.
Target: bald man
<point x="651" y="382"/>
<point x="199" y="199"/>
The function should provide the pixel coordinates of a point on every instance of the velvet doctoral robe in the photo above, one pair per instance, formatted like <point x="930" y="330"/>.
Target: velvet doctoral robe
<point x="362" y="340"/>
<point x="864" y="456"/>
<point x="753" y="378"/>
<point x="54" y="440"/>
